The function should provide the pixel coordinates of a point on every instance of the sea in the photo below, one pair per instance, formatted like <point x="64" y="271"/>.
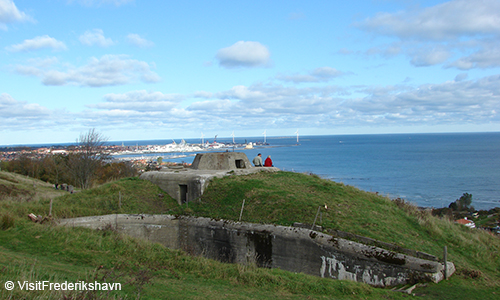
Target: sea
<point x="428" y="170"/>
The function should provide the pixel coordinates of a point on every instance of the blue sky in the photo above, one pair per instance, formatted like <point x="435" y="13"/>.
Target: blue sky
<point x="138" y="70"/>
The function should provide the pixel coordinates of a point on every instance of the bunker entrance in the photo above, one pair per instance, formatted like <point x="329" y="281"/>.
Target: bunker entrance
<point x="240" y="163"/>
<point x="183" y="190"/>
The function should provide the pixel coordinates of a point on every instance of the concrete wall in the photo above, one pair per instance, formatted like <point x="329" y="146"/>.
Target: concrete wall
<point x="289" y="248"/>
<point x="221" y="161"/>
<point x="183" y="186"/>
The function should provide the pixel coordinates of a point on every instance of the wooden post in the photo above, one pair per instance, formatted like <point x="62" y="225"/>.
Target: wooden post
<point x="119" y="200"/>
<point x="241" y="212"/>
<point x="445" y="261"/>
<point x="317" y="213"/>
<point x="50" y="209"/>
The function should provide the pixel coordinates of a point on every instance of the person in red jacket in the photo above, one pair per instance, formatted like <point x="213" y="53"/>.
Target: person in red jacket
<point x="268" y="162"/>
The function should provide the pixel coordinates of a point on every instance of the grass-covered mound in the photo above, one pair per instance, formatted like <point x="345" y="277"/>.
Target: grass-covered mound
<point x="21" y="188"/>
<point x="129" y="195"/>
<point x="30" y="251"/>
<point x="285" y="197"/>
<point x="35" y="252"/>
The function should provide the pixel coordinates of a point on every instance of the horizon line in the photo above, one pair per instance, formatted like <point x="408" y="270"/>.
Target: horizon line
<point x="267" y="137"/>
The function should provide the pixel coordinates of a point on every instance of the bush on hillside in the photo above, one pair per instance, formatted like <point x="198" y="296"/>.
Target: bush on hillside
<point x="457" y="209"/>
<point x="463" y="203"/>
<point x="6" y="222"/>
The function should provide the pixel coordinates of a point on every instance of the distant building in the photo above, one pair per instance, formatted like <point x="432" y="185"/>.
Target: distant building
<point x="466" y="222"/>
<point x="59" y="152"/>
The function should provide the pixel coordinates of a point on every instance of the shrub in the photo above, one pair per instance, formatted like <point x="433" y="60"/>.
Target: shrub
<point x="462" y="204"/>
<point x="6" y="222"/>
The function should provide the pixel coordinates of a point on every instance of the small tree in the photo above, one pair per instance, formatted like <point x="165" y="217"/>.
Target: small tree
<point x="463" y="203"/>
<point x="465" y="200"/>
<point x="87" y="158"/>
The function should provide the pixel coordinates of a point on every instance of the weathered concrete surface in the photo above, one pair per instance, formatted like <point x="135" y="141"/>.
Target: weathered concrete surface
<point x="289" y="248"/>
<point x="221" y="161"/>
<point x="188" y="184"/>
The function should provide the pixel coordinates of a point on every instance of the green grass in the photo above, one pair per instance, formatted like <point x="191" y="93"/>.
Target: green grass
<point x="129" y="195"/>
<point x="30" y="251"/>
<point x="284" y="198"/>
<point x="35" y="252"/>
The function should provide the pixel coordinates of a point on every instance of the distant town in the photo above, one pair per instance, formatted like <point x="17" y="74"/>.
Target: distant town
<point x="132" y="154"/>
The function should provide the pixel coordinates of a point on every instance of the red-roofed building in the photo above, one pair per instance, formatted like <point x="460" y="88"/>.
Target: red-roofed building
<point x="466" y="222"/>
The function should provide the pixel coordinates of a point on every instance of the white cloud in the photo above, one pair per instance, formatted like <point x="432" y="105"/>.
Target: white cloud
<point x="39" y="42"/>
<point x="6" y="100"/>
<point x="448" y="20"/>
<point x="461" y="77"/>
<point x="487" y="57"/>
<point x="434" y="35"/>
<point x="270" y="101"/>
<point x="10" y="14"/>
<point x="453" y="102"/>
<point x="241" y="92"/>
<point x="203" y="94"/>
<point x="212" y="106"/>
<point x="36" y="66"/>
<point x="244" y="54"/>
<point x="137" y="40"/>
<point x="140" y="101"/>
<point x="322" y="74"/>
<point x="423" y="57"/>
<point x="104" y="71"/>
<point x="457" y="102"/>
<point x="95" y="37"/>
<point x="20" y="115"/>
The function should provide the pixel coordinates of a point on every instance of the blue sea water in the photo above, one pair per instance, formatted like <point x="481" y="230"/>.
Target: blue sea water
<point x="430" y="170"/>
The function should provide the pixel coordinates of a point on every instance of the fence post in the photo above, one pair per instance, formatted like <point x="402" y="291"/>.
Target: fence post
<point x="50" y="209"/>
<point x="317" y="213"/>
<point x="241" y="212"/>
<point x="119" y="199"/>
<point x="445" y="259"/>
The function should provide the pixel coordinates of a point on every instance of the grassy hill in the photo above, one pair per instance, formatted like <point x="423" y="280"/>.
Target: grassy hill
<point x="32" y="251"/>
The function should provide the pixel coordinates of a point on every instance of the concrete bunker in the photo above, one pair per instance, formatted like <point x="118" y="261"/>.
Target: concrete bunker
<point x="183" y="193"/>
<point x="221" y="161"/>
<point x="187" y="184"/>
<point x="273" y="246"/>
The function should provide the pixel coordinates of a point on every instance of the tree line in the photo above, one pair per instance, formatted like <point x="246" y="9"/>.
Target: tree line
<point x="84" y="167"/>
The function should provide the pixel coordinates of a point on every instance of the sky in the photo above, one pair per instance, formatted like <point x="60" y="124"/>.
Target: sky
<point x="147" y="70"/>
